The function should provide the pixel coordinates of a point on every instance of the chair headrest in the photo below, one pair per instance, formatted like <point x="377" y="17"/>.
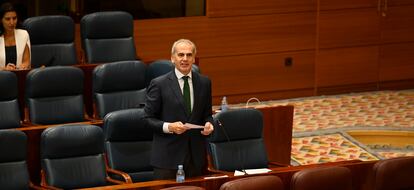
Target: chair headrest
<point x="331" y="177"/>
<point x="107" y="24"/>
<point x="119" y="76"/>
<point x="13" y="145"/>
<point x="71" y="141"/>
<point x="238" y="124"/>
<point x="8" y="85"/>
<point x="54" y="81"/>
<point x="50" y="29"/>
<point x="394" y="173"/>
<point x="127" y="125"/>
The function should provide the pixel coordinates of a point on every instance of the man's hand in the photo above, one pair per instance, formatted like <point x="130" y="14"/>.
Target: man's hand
<point x="208" y="129"/>
<point x="177" y="127"/>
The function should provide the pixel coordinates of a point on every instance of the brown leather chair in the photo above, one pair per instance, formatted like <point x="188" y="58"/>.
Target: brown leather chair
<point x="322" y="178"/>
<point x="394" y="174"/>
<point x="183" y="188"/>
<point x="268" y="182"/>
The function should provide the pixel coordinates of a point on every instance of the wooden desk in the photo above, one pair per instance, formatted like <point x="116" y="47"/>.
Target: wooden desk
<point x="360" y="175"/>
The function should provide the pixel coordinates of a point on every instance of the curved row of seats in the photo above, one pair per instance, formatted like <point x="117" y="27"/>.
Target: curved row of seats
<point x="54" y="95"/>
<point x="105" y="37"/>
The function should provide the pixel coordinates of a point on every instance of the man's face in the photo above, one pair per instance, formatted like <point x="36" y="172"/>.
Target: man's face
<point x="183" y="58"/>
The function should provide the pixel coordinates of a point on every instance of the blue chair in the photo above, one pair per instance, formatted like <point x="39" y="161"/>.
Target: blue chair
<point x="72" y="156"/>
<point x="52" y="40"/>
<point x="128" y="143"/>
<point x="108" y="36"/>
<point x="118" y="85"/>
<point x="13" y="165"/>
<point x="54" y="95"/>
<point x="9" y="106"/>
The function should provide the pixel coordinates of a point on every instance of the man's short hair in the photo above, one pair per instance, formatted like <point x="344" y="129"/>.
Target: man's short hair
<point x="187" y="41"/>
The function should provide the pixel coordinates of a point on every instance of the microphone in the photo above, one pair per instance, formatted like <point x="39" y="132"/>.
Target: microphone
<point x="238" y="148"/>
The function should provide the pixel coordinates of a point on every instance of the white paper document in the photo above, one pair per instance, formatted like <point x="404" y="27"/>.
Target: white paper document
<point x="193" y="126"/>
<point x="251" y="171"/>
<point x="215" y="177"/>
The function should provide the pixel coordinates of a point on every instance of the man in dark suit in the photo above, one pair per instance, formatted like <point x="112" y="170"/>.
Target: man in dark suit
<point x="171" y="106"/>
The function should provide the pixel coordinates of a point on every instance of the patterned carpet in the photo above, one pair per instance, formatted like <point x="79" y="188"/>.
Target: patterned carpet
<point x="320" y="124"/>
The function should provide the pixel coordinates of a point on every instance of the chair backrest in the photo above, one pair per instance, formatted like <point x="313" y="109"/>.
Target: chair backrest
<point x="128" y="143"/>
<point x="119" y="85"/>
<point x="322" y="178"/>
<point x="237" y="141"/>
<point x="54" y="95"/>
<point x="9" y="106"/>
<point x="108" y="36"/>
<point x="13" y="166"/>
<point x="52" y="40"/>
<point x="394" y="174"/>
<point x="163" y="66"/>
<point x="268" y="182"/>
<point x="72" y="156"/>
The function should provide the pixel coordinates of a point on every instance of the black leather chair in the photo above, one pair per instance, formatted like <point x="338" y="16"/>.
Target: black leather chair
<point x="394" y="174"/>
<point x="322" y="178"/>
<point x="72" y="156"/>
<point x="118" y="85"/>
<point x="9" y="106"/>
<point x="163" y="66"/>
<point x="54" y="95"/>
<point x="268" y="182"/>
<point x="13" y="165"/>
<point x="108" y="37"/>
<point x="52" y="40"/>
<point x="128" y="143"/>
<point x="237" y="141"/>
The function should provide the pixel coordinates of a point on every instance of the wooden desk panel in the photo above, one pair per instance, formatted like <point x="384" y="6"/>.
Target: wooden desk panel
<point x="277" y="132"/>
<point x="361" y="176"/>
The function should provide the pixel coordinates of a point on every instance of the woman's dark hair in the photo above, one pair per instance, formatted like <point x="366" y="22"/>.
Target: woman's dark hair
<point x="4" y="8"/>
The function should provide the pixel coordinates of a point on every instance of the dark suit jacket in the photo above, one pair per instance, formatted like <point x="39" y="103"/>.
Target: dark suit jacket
<point x="165" y="103"/>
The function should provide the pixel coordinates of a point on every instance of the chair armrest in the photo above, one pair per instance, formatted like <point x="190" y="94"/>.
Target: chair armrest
<point x="124" y="175"/>
<point x="43" y="182"/>
<point x="32" y="186"/>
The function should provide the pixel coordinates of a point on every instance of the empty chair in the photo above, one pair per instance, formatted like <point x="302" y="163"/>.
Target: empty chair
<point x="52" y="38"/>
<point x="9" y="106"/>
<point x="237" y="141"/>
<point x="268" y="182"/>
<point x="72" y="156"/>
<point x="118" y="85"/>
<point x="13" y="165"/>
<point x="54" y="95"/>
<point x="108" y="36"/>
<point x="394" y="174"/>
<point x="323" y="178"/>
<point x="163" y="66"/>
<point x="128" y="143"/>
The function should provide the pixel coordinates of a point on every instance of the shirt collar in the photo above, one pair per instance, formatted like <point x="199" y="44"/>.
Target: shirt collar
<point x="180" y="75"/>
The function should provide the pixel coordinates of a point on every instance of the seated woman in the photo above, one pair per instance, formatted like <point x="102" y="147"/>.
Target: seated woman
<point x="14" y="43"/>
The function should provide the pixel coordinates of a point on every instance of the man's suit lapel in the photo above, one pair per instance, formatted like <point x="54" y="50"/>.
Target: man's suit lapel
<point x="175" y="87"/>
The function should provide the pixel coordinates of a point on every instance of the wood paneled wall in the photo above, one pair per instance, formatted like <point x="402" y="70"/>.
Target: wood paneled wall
<point x="273" y="49"/>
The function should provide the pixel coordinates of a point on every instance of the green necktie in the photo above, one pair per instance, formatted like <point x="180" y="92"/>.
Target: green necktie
<point x="186" y="93"/>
